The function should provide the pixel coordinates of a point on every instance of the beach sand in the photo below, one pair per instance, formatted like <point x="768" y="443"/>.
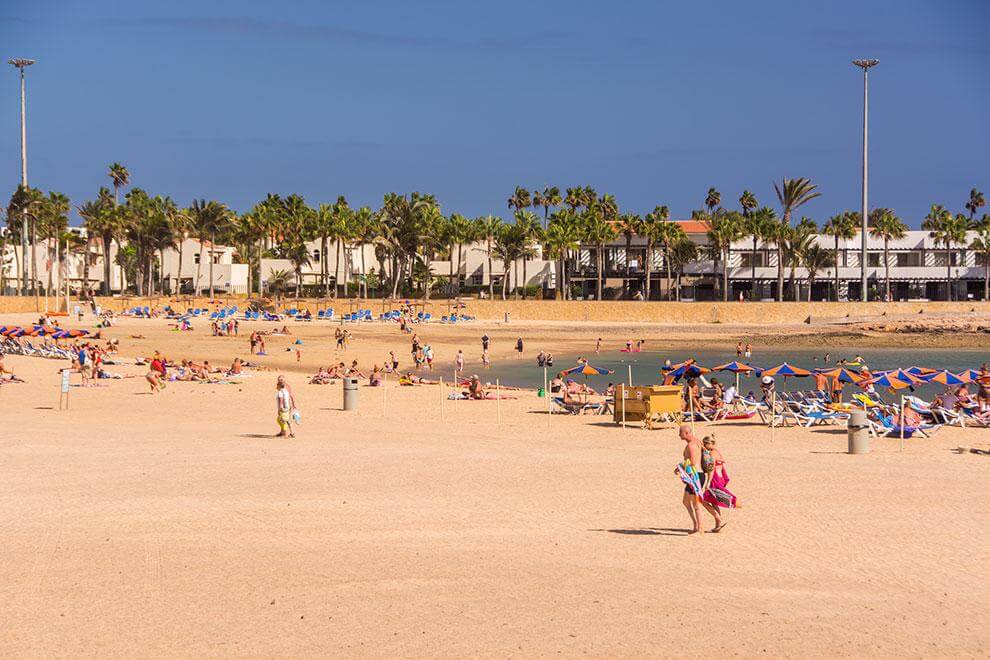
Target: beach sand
<point x="175" y="524"/>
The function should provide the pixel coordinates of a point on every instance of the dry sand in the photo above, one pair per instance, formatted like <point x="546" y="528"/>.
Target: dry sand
<point x="174" y="524"/>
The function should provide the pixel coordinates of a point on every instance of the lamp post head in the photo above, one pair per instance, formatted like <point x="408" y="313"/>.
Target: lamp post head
<point x="866" y="64"/>
<point x="20" y="62"/>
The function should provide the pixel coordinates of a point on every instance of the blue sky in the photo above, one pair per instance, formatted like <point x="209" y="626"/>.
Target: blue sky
<point x="651" y="101"/>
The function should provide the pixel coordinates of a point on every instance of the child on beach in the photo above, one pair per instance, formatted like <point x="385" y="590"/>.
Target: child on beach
<point x="485" y="360"/>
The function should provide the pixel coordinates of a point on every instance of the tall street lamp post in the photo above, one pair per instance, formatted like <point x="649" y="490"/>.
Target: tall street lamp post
<point x="21" y="64"/>
<point x="865" y="65"/>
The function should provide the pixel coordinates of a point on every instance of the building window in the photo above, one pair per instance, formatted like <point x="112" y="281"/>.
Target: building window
<point x="944" y="259"/>
<point x="908" y="259"/>
<point x="981" y="258"/>
<point x="196" y="258"/>
<point x="873" y="259"/>
<point x="746" y="259"/>
<point x="316" y="256"/>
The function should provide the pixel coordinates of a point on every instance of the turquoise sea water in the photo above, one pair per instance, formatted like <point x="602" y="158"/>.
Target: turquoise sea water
<point x="646" y="365"/>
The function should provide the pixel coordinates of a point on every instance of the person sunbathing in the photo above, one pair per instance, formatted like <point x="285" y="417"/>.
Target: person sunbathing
<point x="321" y="377"/>
<point x="375" y="379"/>
<point x="235" y="367"/>
<point x="354" y="372"/>
<point x="475" y="389"/>
<point x="411" y="379"/>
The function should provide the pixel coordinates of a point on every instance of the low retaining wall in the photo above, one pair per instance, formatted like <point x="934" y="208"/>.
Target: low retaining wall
<point x="769" y="313"/>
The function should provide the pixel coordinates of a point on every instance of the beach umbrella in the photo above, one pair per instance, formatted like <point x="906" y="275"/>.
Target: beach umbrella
<point x="60" y="334"/>
<point x="78" y="333"/>
<point x="785" y="370"/>
<point x="944" y="377"/>
<point x="587" y="370"/>
<point x="16" y="332"/>
<point x="842" y="374"/>
<point x="921" y="371"/>
<point x="891" y="381"/>
<point x="973" y="374"/>
<point x="689" y="368"/>
<point x="736" y="368"/>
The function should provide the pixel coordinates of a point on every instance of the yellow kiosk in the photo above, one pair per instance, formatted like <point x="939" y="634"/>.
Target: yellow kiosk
<point x="650" y="404"/>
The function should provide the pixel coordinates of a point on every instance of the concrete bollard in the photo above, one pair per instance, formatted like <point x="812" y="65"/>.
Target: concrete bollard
<point x="350" y="393"/>
<point x="859" y="432"/>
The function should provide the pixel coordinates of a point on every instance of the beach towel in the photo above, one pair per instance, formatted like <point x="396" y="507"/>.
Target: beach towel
<point x="690" y="477"/>
<point x="717" y="493"/>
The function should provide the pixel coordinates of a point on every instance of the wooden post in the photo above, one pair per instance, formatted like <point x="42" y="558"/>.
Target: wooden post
<point x="498" y="403"/>
<point x="773" y="413"/>
<point x="900" y="423"/>
<point x="546" y="395"/>
<point x="690" y="407"/>
<point x="384" y="394"/>
<point x="622" y="392"/>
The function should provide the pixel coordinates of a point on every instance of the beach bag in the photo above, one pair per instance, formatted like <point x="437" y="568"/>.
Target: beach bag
<point x="296" y="416"/>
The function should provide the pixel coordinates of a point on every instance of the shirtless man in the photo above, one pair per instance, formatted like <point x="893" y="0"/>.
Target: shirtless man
<point x="692" y="454"/>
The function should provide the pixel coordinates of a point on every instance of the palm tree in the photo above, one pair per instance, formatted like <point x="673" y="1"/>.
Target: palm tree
<point x="792" y="193"/>
<point x="712" y="200"/>
<point x="364" y="230"/>
<point x="599" y="230"/>
<point x="799" y="239"/>
<point x="681" y="252"/>
<point x="669" y="235"/>
<point x="975" y="203"/>
<point x="748" y="203"/>
<point x="508" y="246"/>
<point x="549" y="198"/>
<point x="755" y="223"/>
<point x="530" y="228"/>
<point x="629" y="225"/>
<point x="889" y="227"/>
<point x="487" y="228"/>
<point x="981" y="243"/>
<point x="208" y="218"/>
<point x="724" y="228"/>
<point x="843" y="226"/>
<point x="652" y="232"/>
<point x="560" y="238"/>
<point x="278" y="283"/>
<point x="815" y="258"/>
<point x="120" y="177"/>
<point x="947" y="230"/>
<point x="520" y="199"/>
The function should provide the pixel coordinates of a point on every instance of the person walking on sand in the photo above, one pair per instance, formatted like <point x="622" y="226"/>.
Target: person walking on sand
<point x="598" y="346"/>
<point x="715" y="494"/>
<point x="519" y="347"/>
<point x="459" y="363"/>
<point x="284" y="404"/>
<point x="692" y="461"/>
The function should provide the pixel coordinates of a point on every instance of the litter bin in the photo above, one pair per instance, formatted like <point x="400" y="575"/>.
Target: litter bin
<point x="350" y="393"/>
<point x="859" y="432"/>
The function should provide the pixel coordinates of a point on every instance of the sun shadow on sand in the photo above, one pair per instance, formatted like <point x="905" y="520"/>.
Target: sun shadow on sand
<point x="647" y="531"/>
<point x="257" y="435"/>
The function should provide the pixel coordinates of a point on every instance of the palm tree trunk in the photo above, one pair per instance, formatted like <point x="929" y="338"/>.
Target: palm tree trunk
<point x="886" y="266"/>
<point x="213" y="244"/>
<point x="752" y="278"/>
<point x="836" y="264"/>
<point x="199" y="268"/>
<point x="601" y="267"/>
<point x="450" y="275"/>
<point x="364" y="271"/>
<point x="460" y="263"/>
<point x="106" y="239"/>
<point x="780" y="274"/>
<point x="948" y="270"/>
<point x="324" y="268"/>
<point x="670" y="284"/>
<point x="525" y="279"/>
<point x="505" y="280"/>
<point x="491" y="283"/>
<point x="649" y="269"/>
<point x="336" y="272"/>
<point x="725" y="275"/>
<point x="811" y="282"/>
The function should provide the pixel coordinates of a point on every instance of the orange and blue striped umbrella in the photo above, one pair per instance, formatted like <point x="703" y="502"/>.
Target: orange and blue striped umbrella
<point x="587" y="370"/>
<point x="892" y="381"/>
<point x="944" y="377"/>
<point x="689" y="368"/>
<point x="786" y="370"/>
<point x="735" y="367"/>
<point x="844" y="375"/>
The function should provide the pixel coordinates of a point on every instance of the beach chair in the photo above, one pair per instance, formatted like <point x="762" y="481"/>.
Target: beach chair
<point x="573" y="408"/>
<point x="883" y="424"/>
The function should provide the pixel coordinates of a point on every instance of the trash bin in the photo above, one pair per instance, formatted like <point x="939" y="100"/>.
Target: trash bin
<point x="350" y="393"/>
<point x="859" y="432"/>
<point x="507" y="317"/>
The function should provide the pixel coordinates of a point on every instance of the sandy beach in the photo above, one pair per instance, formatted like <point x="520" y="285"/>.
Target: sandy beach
<point x="175" y="524"/>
